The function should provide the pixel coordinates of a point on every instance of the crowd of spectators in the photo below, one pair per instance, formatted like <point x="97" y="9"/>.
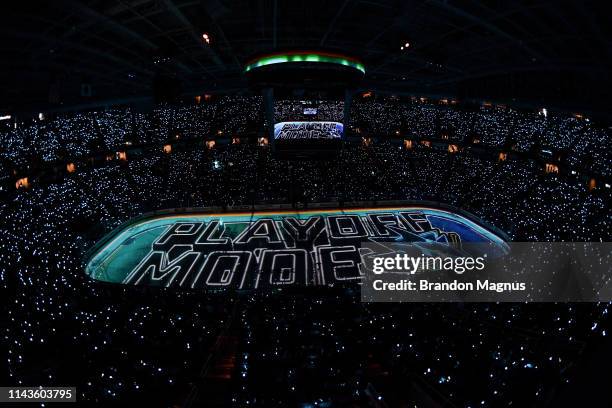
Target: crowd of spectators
<point x="162" y="347"/>
<point x="496" y="127"/>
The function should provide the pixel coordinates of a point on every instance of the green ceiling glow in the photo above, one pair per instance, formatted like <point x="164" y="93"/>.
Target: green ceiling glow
<point x="304" y="57"/>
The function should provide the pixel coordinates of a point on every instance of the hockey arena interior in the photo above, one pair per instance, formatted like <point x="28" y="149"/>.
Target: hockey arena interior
<point x="188" y="189"/>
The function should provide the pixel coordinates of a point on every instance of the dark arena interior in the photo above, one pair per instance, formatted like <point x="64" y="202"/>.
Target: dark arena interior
<point x="189" y="191"/>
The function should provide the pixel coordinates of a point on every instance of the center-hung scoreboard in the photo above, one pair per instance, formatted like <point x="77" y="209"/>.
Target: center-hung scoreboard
<point x="310" y="76"/>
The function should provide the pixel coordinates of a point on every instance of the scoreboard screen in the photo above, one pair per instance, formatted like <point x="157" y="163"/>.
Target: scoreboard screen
<point x="310" y="111"/>
<point x="308" y="130"/>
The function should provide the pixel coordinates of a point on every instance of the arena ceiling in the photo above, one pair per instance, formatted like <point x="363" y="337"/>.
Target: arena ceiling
<point x="543" y="51"/>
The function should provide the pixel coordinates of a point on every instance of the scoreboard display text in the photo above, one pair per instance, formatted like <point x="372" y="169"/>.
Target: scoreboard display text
<point x="308" y="130"/>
